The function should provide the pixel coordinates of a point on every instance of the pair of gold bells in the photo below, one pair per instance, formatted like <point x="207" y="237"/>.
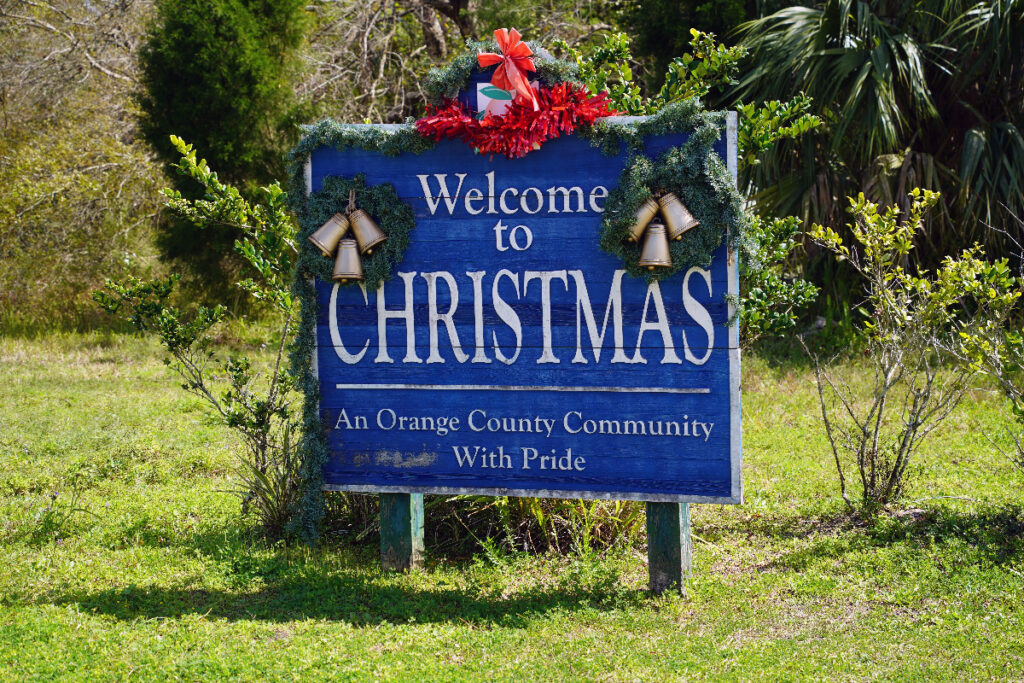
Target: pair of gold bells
<point x="331" y="236"/>
<point x="654" y="252"/>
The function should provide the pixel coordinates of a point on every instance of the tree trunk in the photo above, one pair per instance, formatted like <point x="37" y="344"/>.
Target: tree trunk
<point x="433" y="31"/>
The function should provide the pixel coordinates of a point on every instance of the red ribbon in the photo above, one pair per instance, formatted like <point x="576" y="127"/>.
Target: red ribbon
<point x="513" y="63"/>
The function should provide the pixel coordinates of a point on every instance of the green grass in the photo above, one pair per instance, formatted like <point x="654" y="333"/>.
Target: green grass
<point x="141" y="567"/>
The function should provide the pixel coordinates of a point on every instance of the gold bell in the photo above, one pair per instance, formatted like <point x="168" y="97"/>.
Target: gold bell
<point x="347" y="265"/>
<point x="677" y="217"/>
<point x="367" y="233"/>
<point x="647" y="211"/>
<point x="327" y="235"/>
<point x="654" y="253"/>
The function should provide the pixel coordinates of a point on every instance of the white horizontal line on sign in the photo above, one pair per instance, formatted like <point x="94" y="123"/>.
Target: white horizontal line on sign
<point x="503" y="387"/>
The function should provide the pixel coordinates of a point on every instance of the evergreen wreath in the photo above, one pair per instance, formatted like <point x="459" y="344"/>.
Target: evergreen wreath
<point x="700" y="179"/>
<point x="394" y="216"/>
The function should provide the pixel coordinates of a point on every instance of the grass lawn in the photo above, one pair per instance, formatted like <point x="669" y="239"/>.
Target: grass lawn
<point x="141" y="568"/>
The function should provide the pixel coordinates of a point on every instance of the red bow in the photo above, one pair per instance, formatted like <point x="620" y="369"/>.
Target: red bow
<point x="514" y="61"/>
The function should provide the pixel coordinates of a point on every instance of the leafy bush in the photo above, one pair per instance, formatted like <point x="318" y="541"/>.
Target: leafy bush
<point x="772" y="294"/>
<point x="1000" y="354"/>
<point x="660" y="25"/>
<point x="79" y="188"/>
<point x="77" y="206"/>
<point x="922" y="338"/>
<point x="711" y="65"/>
<point x="256" y="404"/>
<point x="220" y="73"/>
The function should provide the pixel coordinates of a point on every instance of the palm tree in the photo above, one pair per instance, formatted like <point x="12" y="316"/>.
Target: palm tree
<point x="927" y="94"/>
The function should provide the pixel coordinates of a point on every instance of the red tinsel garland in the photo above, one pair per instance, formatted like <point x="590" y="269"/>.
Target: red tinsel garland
<point x="563" y="108"/>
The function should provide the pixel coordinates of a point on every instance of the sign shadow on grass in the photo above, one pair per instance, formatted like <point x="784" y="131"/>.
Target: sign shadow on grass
<point x="358" y="600"/>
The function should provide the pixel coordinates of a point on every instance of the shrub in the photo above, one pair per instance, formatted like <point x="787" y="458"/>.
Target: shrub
<point x="1000" y="354"/>
<point x="922" y="338"/>
<point x="1005" y="361"/>
<point x="771" y="294"/>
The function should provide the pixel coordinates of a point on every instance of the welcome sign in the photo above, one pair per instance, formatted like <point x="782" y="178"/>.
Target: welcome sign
<point x="508" y="354"/>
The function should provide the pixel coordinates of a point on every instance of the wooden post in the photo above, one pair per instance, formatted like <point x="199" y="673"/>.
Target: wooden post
<point x="669" y="551"/>
<point x="401" y="531"/>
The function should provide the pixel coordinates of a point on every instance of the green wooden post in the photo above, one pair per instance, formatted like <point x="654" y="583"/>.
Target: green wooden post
<point x="401" y="531"/>
<point x="669" y="551"/>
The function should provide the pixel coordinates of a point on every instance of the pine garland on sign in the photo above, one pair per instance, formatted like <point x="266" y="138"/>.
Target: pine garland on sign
<point x="388" y="140"/>
<point x="396" y="219"/>
<point x="313" y="443"/>
<point x="679" y="117"/>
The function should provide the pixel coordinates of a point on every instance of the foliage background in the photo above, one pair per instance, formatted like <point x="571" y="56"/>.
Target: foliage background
<point x="79" y="189"/>
<point x="926" y="94"/>
<point x="933" y="88"/>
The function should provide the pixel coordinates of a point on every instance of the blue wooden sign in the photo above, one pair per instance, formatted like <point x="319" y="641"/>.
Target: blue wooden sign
<point x="509" y="355"/>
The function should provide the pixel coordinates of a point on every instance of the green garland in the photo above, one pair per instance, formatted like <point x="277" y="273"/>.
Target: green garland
<point x="312" y="445"/>
<point x="693" y="172"/>
<point x="678" y="117"/>
<point x="396" y="219"/>
<point x="391" y="141"/>
<point x="311" y="263"/>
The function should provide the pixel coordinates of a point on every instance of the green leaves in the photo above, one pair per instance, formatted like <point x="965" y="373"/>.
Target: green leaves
<point x="760" y="128"/>
<point x="771" y="293"/>
<point x="267" y="240"/>
<point x="606" y="69"/>
<point x="711" y="66"/>
<point x="142" y="303"/>
<point x="927" y="336"/>
<point x="851" y="60"/>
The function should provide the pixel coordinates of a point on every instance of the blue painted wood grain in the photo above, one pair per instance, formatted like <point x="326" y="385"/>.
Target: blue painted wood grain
<point x="595" y="439"/>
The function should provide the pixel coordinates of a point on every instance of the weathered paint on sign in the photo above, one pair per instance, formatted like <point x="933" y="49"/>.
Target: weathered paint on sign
<point x="509" y="355"/>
